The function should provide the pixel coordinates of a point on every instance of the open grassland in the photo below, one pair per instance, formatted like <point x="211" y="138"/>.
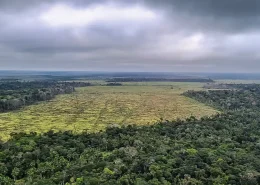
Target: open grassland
<point x="94" y="108"/>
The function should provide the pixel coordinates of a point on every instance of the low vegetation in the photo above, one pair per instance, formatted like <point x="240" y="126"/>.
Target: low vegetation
<point x="94" y="108"/>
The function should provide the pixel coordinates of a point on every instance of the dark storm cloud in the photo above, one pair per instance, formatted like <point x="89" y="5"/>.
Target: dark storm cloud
<point x="220" y="8"/>
<point x="149" y="35"/>
<point x="220" y="15"/>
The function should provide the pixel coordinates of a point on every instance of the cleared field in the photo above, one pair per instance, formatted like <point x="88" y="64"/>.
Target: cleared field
<point x="94" y="108"/>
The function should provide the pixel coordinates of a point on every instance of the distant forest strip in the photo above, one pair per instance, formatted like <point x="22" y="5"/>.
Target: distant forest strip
<point x="114" y="84"/>
<point x="159" y="80"/>
<point x="14" y="95"/>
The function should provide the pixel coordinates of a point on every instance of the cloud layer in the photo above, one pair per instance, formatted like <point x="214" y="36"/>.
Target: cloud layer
<point x="145" y="35"/>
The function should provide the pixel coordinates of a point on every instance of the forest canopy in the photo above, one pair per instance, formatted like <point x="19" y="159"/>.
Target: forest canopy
<point x="16" y="94"/>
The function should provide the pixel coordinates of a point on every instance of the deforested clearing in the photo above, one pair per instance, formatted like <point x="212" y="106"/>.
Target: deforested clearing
<point x="94" y="108"/>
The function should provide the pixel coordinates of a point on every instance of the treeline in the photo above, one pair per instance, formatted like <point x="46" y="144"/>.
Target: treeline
<point x="114" y="84"/>
<point x="220" y="150"/>
<point x="239" y="97"/>
<point x="159" y="80"/>
<point x="18" y="85"/>
<point x="228" y="86"/>
<point x="14" y="95"/>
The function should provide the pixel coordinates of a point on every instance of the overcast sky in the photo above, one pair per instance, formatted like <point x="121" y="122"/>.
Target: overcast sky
<point x="130" y="35"/>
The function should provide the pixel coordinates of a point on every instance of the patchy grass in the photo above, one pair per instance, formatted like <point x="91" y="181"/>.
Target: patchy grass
<point x="94" y="108"/>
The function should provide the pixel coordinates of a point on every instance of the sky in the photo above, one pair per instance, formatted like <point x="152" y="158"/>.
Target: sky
<point x="130" y="35"/>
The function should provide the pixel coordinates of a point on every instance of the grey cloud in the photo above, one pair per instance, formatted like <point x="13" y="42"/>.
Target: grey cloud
<point x="17" y="5"/>
<point x="221" y="8"/>
<point x="220" y="15"/>
<point x="191" y="35"/>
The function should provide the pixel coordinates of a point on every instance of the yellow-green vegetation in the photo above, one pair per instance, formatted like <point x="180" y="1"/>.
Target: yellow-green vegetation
<point x="94" y="108"/>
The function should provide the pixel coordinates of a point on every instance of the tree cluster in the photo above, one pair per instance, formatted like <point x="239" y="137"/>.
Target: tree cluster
<point x="14" y="95"/>
<point x="114" y="84"/>
<point x="237" y="97"/>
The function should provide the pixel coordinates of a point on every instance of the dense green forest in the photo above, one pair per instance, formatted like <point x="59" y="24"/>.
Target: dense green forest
<point x="223" y="149"/>
<point x="15" y="94"/>
<point x="236" y="97"/>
